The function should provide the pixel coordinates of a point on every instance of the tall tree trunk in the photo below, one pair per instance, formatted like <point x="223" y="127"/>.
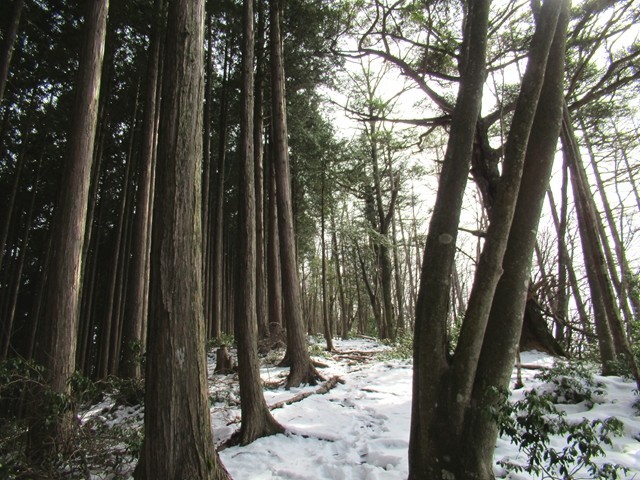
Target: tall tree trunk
<point x="297" y="356"/>
<point x="258" y="146"/>
<point x="111" y="314"/>
<point x="207" y="174"/>
<point x="430" y="348"/>
<point x="502" y="335"/>
<point x="344" y="318"/>
<point x="15" y="289"/>
<point x="58" y="335"/>
<point x="397" y="275"/>
<point x="562" y="298"/>
<point x="325" y="312"/>
<point x="444" y="425"/>
<point x="178" y="439"/>
<point x="573" y="280"/>
<point x="10" y="35"/>
<point x="621" y="282"/>
<point x="597" y="272"/>
<point x="217" y="273"/>
<point x="135" y="307"/>
<point x="257" y="420"/>
<point x="8" y="209"/>
<point x="274" y="271"/>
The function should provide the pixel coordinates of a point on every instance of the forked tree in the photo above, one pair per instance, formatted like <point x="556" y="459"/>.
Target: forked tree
<point x="451" y="436"/>
<point x="178" y="439"/>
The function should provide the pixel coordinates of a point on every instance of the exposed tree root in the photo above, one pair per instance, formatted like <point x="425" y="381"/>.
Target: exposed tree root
<point x="269" y="427"/>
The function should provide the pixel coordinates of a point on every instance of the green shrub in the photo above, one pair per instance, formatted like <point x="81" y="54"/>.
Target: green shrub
<point x="571" y="383"/>
<point x="401" y="348"/>
<point x="532" y="422"/>
<point x="223" y="339"/>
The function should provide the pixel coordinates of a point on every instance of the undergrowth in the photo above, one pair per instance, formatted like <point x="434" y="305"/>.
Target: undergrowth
<point x="103" y="443"/>
<point x="536" y="425"/>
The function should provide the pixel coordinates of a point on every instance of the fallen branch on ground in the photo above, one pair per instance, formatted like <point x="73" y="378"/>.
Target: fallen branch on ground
<point x="324" y="388"/>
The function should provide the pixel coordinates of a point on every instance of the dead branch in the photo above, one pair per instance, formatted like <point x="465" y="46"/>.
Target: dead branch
<point x="324" y="388"/>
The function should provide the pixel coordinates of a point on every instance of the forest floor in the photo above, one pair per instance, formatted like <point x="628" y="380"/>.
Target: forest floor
<point x="359" y="429"/>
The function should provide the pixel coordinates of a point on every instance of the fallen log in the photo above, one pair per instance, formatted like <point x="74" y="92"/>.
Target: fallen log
<point x="321" y="390"/>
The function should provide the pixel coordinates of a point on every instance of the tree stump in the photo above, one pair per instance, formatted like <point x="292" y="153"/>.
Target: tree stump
<point x="224" y="361"/>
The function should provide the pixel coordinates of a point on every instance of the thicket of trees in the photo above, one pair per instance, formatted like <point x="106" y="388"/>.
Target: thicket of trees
<point x="170" y="176"/>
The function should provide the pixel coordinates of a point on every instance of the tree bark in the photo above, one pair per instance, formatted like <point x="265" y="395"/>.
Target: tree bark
<point x="489" y="269"/>
<point x="297" y="356"/>
<point x="505" y="321"/>
<point x="430" y="348"/>
<point x="274" y="271"/>
<point x="218" y="269"/>
<point x="135" y="307"/>
<point x="178" y="439"/>
<point x="328" y="337"/>
<point x="258" y="147"/>
<point x="56" y="349"/>
<point x="257" y="420"/>
<point x="444" y="414"/>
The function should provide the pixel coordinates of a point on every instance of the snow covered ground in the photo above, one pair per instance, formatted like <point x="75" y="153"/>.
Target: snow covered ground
<point x="360" y="429"/>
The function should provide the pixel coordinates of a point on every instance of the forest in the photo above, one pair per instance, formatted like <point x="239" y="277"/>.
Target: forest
<point x="260" y="181"/>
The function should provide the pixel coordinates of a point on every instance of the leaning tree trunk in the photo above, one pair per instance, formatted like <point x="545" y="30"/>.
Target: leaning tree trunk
<point x="599" y="282"/>
<point x="430" y="348"/>
<point x="56" y="349"/>
<point x="502" y="335"/>
<point x="297" y="355"/>
<point x="626" y="298"/>
<point x="178" y="439"/>
<point x="441" y="422"/>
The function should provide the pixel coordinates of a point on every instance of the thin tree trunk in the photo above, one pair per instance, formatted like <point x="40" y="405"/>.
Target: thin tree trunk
<point x="258" y="144"/>
<point x="344" y="319"/>
<point x="325" y="312"/>
<point x="274" y="272"/>
<point x="10" y="35"/>
<point x="218" y="223"/>
<point x="8" y="209"/>
<point x="302" y="369"/>
<point x="620" y="282"/>
<point x="135" y="306"/>
<point x="603" y="331"/>
<point x="573" y="280"/>
<point x="109" y="319"/>
<point x="562" y="299"/>
<point x="13" y="297"/>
